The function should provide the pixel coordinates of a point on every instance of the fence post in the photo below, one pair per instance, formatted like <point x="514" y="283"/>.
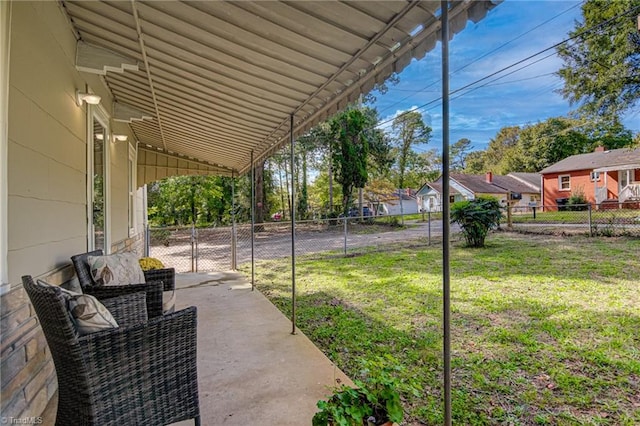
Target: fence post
<point x="429" y="228"/>
<point x="234" y="247"/>
<point x="193" y="230"/>
<point x="590" y="218"/>
<point x="197" y="251"/>
<point x="345" y="234"/>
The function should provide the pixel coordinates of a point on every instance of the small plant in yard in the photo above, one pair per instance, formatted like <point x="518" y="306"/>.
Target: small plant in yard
<point x="476" y="218"/>
<point x="374" y="401"/>
<point x="577" y="201"/>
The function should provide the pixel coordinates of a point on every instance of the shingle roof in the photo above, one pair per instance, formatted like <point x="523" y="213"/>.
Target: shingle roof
<point x="531" y="179"/>
<point x="437" y="185"/>
<point x="512" y="184"/>
<point x="499" y="184"/>
<point x="477" y="183"/>
<point x="594" y="160"/>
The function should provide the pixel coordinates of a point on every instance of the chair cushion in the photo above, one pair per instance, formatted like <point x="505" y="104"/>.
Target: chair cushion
<point x="168" y="301"/>
<point x="87" y="314"/>
<point x="116" y="269"/>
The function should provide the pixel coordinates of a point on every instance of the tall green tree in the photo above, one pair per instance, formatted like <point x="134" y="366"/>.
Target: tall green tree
<point x="459" y="152"/>
<point x="543" y="144"/>
<point x="186" y="200"/>
<point x="408" y="130"/>
<point x="495" y="158"/>
<point x="601" y="69"/>
<point x="350" y="151"/>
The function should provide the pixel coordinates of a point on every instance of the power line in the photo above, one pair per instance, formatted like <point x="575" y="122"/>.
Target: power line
<point x="577" y="35"/>
<point x="484" y="55"/>
<point x="519" y="80"/>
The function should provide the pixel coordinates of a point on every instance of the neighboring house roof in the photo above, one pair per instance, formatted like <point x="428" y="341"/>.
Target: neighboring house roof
<point x="531" y="179"/>
<point x="394" y="197"/>
<point x="437" y="186"/>
<point x="406" y="194"/>
<point x="478" y="184"/>
<point x="514" y="185"/>
<point x="596" y="160"/>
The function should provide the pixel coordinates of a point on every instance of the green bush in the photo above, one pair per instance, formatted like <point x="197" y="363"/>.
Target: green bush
<point x="577" y="202"/>
<point x="476" y="218"/>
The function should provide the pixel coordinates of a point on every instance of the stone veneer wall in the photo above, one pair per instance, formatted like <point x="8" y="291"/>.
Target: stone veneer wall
<point x="27" y="371"/>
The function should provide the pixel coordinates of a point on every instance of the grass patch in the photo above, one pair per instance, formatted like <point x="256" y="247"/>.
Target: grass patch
<point x="545" y="330"/>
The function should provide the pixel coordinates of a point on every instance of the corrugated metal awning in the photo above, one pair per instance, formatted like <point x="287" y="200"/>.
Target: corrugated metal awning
<point x="217" y="80"/>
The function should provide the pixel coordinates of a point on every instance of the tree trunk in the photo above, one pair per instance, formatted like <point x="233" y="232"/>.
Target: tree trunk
<point x="330" y="183"/>
<point x="286" y="180"/>
<point x="282" y="209"/>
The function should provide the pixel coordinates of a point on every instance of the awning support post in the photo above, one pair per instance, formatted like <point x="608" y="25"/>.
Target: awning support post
<point x="234" y="231"/>
<point x="446" y="295"/>
<point x="293" y="230"/>
<point x="253" y="224"/>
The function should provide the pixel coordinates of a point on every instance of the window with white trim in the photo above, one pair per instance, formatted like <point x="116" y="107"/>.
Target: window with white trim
<point x="595" y="176"/>
<point x="132" y="191"/>
<point x="564" y="183"/>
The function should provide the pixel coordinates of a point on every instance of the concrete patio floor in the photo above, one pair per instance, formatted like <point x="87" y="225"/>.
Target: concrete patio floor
<point x="251" y="369"/>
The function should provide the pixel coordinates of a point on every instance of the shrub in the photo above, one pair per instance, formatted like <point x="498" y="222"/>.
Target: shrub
<point x="577" y="201"/>
<point x="476" y="218"/>
<point x="149" y="263"/>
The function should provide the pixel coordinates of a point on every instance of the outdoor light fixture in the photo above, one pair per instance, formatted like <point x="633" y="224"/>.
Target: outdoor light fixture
<point x="89" y="98"/>
<point x="120" y="138"/>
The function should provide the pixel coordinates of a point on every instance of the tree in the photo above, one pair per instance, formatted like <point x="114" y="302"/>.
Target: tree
<point x="185" y="200"/>
<point x="543" y="144"/>
<point x="409" y="130"/>
<point x="459" y="152"/>
<point x="422" y="167"/>
<point x="601" y="69"/>
<point x="475" y="163"/>
<point x="377" y="192"/>
<point x="495" y="157"/>
<point x="350" y="151"/>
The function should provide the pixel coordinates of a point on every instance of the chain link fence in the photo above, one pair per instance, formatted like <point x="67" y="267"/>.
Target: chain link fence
<point x="607" y="219"/>
<point x="223" y="248"/>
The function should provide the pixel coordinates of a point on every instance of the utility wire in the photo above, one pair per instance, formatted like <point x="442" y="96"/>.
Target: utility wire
<point x="577" y="35"/>
<point x="484" y="55"/>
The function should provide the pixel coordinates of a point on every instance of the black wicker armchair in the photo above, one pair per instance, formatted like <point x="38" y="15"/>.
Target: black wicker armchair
<point x="153" y="288"/>
<point x="142" y="372"/>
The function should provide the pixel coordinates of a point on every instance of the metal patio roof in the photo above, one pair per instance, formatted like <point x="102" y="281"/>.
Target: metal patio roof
<point x="215" y="81"/>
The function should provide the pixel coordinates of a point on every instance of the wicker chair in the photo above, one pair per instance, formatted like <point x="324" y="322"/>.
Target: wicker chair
<point x="143" y="372"/>
<point x="154" y="292"/>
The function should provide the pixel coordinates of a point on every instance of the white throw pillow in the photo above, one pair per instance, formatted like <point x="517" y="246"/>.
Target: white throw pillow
<point x="116" y="269"/>
<point x="87" y="314"/>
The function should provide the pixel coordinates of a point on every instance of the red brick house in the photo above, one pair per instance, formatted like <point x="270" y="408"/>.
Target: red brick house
<point x="611" y="176"/>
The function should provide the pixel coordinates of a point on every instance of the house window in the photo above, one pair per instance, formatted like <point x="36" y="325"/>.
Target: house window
<point x="564" y="183"/>
<point x="98" y="197"/>
<point x="452" y="198"/>
<point x="595" y="176"/>
<point x="132" y="191"/>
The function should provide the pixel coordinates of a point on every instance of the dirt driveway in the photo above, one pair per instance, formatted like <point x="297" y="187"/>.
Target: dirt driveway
<point x="212" y="252"/>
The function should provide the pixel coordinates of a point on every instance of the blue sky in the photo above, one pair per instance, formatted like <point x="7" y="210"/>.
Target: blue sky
<point x="524" y="97"/>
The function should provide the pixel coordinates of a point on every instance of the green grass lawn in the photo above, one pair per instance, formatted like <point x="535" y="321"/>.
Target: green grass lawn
<point x="545" y="330"/>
